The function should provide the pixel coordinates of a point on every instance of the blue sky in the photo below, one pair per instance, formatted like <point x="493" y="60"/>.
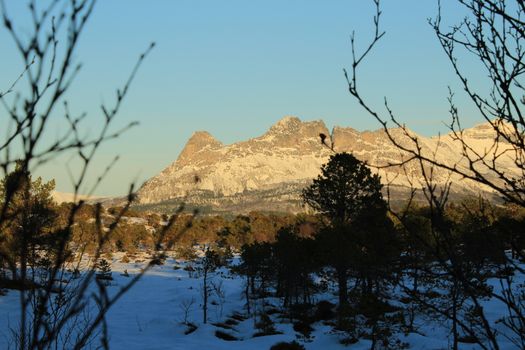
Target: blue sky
<point x="235" y="67"/>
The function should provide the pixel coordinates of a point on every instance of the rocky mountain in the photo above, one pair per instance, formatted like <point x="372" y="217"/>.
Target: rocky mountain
<point x="269" y="171"/>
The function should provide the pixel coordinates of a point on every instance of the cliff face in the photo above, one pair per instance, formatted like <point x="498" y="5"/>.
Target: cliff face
<point x="278" y="164"/>
<point x="289" y="152"/>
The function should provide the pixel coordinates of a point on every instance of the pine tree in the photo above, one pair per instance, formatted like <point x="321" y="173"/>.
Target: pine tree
<point x="349" y="196"/>
<point x="29" y="216"/>
<point x="344" y="190"/>
<point x="104" y="270"/>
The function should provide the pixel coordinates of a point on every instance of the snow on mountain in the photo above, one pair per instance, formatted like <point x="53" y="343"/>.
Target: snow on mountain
<point x="290" y="153"/>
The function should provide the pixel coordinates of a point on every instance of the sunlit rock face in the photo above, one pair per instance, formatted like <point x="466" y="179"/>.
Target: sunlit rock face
<point x="289" y="155"/>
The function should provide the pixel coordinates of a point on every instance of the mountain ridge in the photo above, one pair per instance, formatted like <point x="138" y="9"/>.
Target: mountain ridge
<point x="290" y="153"/>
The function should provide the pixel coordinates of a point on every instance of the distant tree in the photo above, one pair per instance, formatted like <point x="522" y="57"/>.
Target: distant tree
<point x="375" y="254"/>
<point x="264" y="227"/>
<point x="209" y="263"/>
<point x="104" y="270"/>
<point x="510" y="224"/>
<point x="223" y="246"/>
<point x="294" y="260"/>
<point x="481" y="241"/>
<point x="416" y="255"/>
<point x="258" y="265"/>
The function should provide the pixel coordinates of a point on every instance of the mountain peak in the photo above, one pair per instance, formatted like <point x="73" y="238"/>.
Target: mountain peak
<point x="490" y="127"/>
<point x="287" y="123"/>
<point x="292" y="132"/>
<point x="488" y="130"/>
<point x="200" y="141"/>
<point x="292" y="124"/>
<point x="288" y="120"/>
<point x="202" y="136"/>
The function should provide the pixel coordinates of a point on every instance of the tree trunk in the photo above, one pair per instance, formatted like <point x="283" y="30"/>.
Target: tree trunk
<point x="342" y="280"/>
<point x="454" y="316"/>
<point x="247" y="294"/>
<point x="205" y="297"/>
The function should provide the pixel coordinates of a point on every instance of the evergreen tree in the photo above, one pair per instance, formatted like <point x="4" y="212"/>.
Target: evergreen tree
<point x="29" y="217"/>
<point x="258" y="265"/>
<point x="104" y="270"/>
<point x="349" y="195"/>
<point x="344" y="190"/>
<point x="295" y="261"/>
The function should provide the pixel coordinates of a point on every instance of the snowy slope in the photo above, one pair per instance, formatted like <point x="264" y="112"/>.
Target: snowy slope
<point x="149" y="316"/>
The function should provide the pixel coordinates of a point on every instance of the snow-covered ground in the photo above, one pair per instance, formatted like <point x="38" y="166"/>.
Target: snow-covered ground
<point x="151" y="315"/>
